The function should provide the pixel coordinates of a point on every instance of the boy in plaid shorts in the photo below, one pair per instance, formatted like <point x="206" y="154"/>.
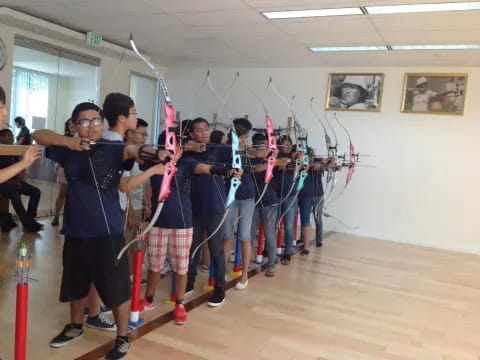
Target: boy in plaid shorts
<point x="173" y="229"/>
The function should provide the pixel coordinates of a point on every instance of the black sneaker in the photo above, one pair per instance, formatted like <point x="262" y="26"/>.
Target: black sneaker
<point x="218" y="298"/>
<point x="55" y="221"/>
<point x="101" y="322"/>
<point x="68" y="334"/>
<point x="305" y="252"/>
<point x="318" y="244"/>
<point x="120" y="349"/>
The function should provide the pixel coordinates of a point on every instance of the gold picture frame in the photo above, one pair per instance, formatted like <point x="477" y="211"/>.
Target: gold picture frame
<point x="434" y="93"/>
<point x="355" y="92"/>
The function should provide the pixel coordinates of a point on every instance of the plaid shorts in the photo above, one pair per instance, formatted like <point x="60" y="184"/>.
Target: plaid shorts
<point x="178" y="242"/>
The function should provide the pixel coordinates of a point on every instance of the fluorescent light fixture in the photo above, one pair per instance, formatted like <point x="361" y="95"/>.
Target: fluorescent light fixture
<point x="436" y="47"/>
<point x="312" y="13"/>
<point x="414" y="8"/>
<point x="349" y="48"/>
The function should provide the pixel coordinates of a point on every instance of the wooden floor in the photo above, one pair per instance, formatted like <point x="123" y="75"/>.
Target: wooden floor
<point x="354" y="299"/>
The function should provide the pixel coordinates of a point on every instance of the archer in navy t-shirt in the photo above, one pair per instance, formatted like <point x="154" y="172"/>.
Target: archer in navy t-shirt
<point x="177" y="210"/>
<point x="208" y="193"/>
<point x="83" y="216"/>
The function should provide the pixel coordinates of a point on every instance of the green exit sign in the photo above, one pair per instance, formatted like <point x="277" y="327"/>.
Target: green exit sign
<point x="94" y="38"/>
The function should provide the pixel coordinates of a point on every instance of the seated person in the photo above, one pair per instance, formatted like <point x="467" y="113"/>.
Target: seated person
<point x="16" y="186"/>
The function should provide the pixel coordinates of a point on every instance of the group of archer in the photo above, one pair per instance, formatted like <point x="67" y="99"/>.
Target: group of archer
<point x="93" y="162"/>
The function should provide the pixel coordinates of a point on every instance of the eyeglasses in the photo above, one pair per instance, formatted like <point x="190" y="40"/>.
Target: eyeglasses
<point x="90" y="122"/>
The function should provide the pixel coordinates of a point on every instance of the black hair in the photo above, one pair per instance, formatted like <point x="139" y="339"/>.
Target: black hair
<point x="66" y="130"/>
<point x="216" y="136"/>
<point x="141" y="123"/>
<point x="257" y="138"/>
<point x="242" y="126"/>
<point x="197" y="121"/>
<point x="3" y="97"/>
<point x="20" y="121"/>
<point x="284" y="138"/>
<point x="4" y="132"/>
<point x="186" y="128"/>
<point x="85" y="106"/>
<point x="162" y="138"/>
<point x="115" y="105"/>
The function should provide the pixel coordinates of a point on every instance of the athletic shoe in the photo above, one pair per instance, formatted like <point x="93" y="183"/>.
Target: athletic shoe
<point x="119" y="350"/>
<point x="68" y="334"/>
<point x="101" y="322"/>
<point x="179" y="314"/>
<point x="144" y="305"/>
<point x="167" y="267"/>
<point x="241" y="285"/>
<point x="218" y="298"/>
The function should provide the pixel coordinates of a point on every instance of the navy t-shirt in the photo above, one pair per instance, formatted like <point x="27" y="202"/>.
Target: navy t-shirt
<point x="313" y="186"/>
<point x="284" y="182"/>
<point x="25" y="133"/>
<point x="177" y="210"/>
<point x="83" y="214"/>
<point x="271" y="196"/>
<point x="208" y="192"/>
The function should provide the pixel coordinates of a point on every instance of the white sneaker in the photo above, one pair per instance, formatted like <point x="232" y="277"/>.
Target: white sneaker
<point x="167" y="267"/>
<point x="241" y="285"/>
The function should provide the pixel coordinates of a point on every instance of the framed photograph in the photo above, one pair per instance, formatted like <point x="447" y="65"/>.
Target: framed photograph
<point x="355" y="92"/>
<point x="434" y="93"/>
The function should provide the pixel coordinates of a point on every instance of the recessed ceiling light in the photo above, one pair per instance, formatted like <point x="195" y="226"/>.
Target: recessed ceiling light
<point x="413" y="8"/>
<point x="349" y="48"/>
<point x="437" y="47"/>
<point x="312" y="13"/>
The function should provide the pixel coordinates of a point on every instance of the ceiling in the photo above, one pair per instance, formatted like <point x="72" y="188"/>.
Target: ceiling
<point x="233" y="33"/>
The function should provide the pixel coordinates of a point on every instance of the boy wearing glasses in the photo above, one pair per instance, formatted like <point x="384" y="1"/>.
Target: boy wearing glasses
<point x="93" y="219"/>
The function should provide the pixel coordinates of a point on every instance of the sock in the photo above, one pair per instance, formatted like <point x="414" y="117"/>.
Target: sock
<point x="179" y="302"/>
<point x="149" y="299"/>
<point x="78" y="326"/>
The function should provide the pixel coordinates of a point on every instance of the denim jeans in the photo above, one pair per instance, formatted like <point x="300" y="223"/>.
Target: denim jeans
<point x="305" y="204"/>
<point x="268" y="215"/>
<point x="243" y="211"/>
<point x="288" y="220"/>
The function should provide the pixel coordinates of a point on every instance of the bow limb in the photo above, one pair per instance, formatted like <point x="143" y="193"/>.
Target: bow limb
<point x="170" y="144"/>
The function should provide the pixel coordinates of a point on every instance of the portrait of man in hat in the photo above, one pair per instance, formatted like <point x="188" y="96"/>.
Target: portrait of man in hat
<point x="434" y="93"/>
<point x="357" y="92"/>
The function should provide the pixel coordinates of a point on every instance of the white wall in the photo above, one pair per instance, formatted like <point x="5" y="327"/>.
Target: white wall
<point x="424" y="188"/>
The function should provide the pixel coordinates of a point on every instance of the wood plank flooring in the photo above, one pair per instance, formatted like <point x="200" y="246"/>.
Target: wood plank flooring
<point x="353" y="299"/>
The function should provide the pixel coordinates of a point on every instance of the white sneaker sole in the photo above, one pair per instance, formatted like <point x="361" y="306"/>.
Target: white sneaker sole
<point x="241" y="286"/>
<point x="215" y="304"/>
<point x="60" y="345"/>
<point x="113" y="328"/>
